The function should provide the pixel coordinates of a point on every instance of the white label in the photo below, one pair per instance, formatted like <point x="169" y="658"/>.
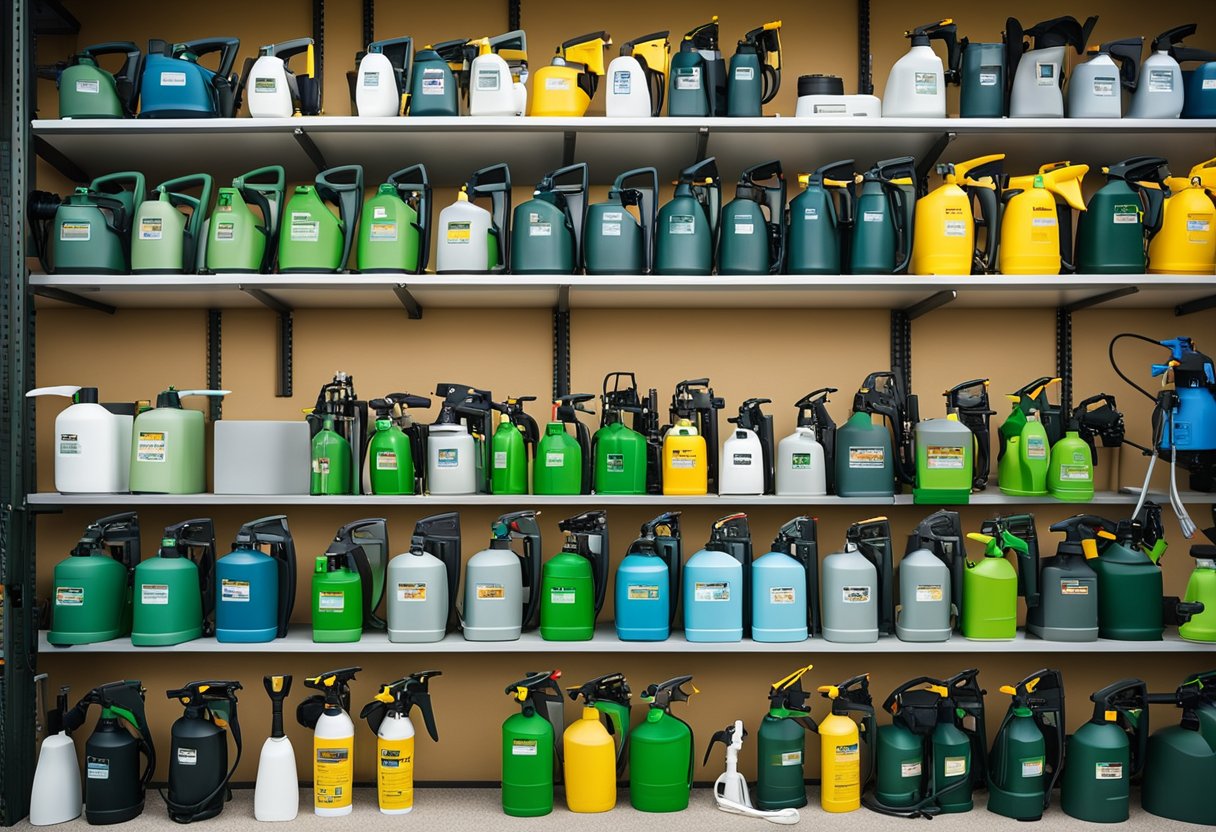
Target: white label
<point x="447" y="458"/>
<point x="98" y="768"/>
<point x="855" y="594"/>
<point x="331" y="601"/>
<point x="1160" y="80"/>
<point x="151" y="228"/>
<point x="487" y="80"/>
<point x="382" y="232"/>
<point x="1197" y="225"/>
<point x="1073" y="586"/>
<point x="681" y="224"/>
<point x="234" y="591"/>
<point x="540" y="229"/>
<point x="911" y="769"/>
<point x="872" y="216"/>
<point x="1126" y="214"/>
<point x="554" y="459"/>
<point x="622" y="82"/>
<point x="69" y="596"/>
<point x="320" y="465"/>
<point x="225" y="231"/>
<point x="187" y="756"/>
<point x="744" y="73"/>
<point x="745" y="228"/>
<point x="173" y="79"/>
<point x="371" y="79"/>
<point x="610" y="229"/>
<point x="150" y="446"/>
<point x="831" y="109"/>
<point x="956" y="228"/>
<point x="613" y="216"/>
<point x="490" y="592"/>
<point x="1075" y="473"/>
<point x="1104" y="87"/>
<point x="716" y="591"/>
<point x="562" y="595"/>
<point x="867" y="457"/>
<point x="410" y="592"/>
<point x="642" y="592"/>
<point x="810" y="214"/>
<point x="1045" y="74"/>
<point x="741" y="459"/>
<point x="379" y="212"/>
<point x="1032" y="768"/>
<point x="945" y="457"/>
<point x="154" y="594"/>
<point x="500" y="459"/>
<point x="1108" y="771"/>
<point x="989" y="76"/>
<point x="1036" y="447"/>
<point x="791" y="758"/>
<point x="1043" y="222"/>
<point x="386" y="460"/>
<point x="75" y="232"/>
<point x="956" y="766"/>
<point x="433" y="82"/>
<point x="683" y="462"/>
<point x="69" y="444"/>
<point x="557" y="83"/>
<point x="688" y="78"/>
<point x="91" y="87"/>
<point x="781" y="595"/>
<point x="305" y="232"/>
<point x="925" y="83"/>
<point x="265" y="86"/>
<point x="1209" y="84"/>
<point x="927" y="593"/>
<point x="523" y="748"/>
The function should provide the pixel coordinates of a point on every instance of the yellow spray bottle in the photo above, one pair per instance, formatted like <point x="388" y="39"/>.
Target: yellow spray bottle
<point x="1186" y="243"/>
<point x="840" y="744"/>
<point x="1036" y="227"/>
<point x="945" y="225"/>
<point x="592" y="759"/>
<point x="388" y="715"/>
<point x="333" y="745"/>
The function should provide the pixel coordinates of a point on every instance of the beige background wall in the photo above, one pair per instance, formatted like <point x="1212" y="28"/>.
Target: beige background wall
<point x="780" y="354"/>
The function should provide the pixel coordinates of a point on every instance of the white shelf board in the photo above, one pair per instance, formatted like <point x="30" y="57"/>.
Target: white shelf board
<point x="452" y="148"/>
<point x="328" y="291"/>
<point x="991" y="497"/>
<point x="299" y="640"/>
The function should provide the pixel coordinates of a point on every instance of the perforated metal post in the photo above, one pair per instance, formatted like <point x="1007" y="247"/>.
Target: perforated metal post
<point x="1064" y="357"/>
<point x="561" y="344"/>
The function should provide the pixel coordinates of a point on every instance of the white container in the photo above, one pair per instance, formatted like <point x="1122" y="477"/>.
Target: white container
<point x="376" y="93"/>
<point x="742" y="464"/>
<point x="92" y="445"/>
<point x="836" y="106"/>
<point x="464" y="234"/>
<point x="924" y="594"/>
<point x="417" y="591"/>
<point x="276" y="795"/>
<point x="1159" y="93"/>
<point x="55" y="797"/>
<point x="628" y="92"/>
<point x="266" y="90"/>
<point x="850" y="597"/>
<point x="492" y="88"/>
<point x="493" y="596"/>
<point x="451" y="461"/>
<point x="334" y="731"/>
<point x="1036" y="85"/>
<point x="1094" y="89"/>
<point x="396" y="732"/>
<point x="916" y="87"/>
<point x="801" y="465"/>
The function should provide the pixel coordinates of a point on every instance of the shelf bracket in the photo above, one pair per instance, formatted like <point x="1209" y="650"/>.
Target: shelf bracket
<point x="934" y="301"/>
<point x="60" y="162"/>
<point x="215" y="363"/>
<point x="64" y="296"/>
<point x="561" y="344"/>
<point x="318" y="37"/>
<point x="925" y="166"/>
<point x="1095" y="300"/>
<point x="901" y="347"/>
<point x="310" y="148"/>
<point x="569" y="140"/>
<point x="702" y="143"/>
<point x="285" y="343"/>
<point x="412" y="307"/>
<point x="1197" y="305"/>
<point x="865" y="76"/>
<point x="1064" y="356"/>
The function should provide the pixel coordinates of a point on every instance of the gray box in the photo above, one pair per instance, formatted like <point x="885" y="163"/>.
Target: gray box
<point x="261" y="457"/>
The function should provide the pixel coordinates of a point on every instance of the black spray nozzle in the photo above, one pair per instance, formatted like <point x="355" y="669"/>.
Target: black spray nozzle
<point x="569" y="405"/>
<point x="726" y="736"/>
<point x="1041" y="691"/>
<point x="728" y="531"/>
<point x="1098" y="418"/>
<point x="522" y="525"/>
<point x="1145" y="531"/>
<point x="1126" y="53"/>
<point x="513" y="409"/>
<point x="1081" y="533"/>
<point x="850" y="696"/>
<point x="362" y="547"/>
<point x="799" y="538"/>
<point x="969" y="401"/>
<point x="277" y="688"/>
<point x="217" y="696"/>
<point x="611" y="687"/>
<point x="942" y="534"/>
<point x="882" y="394"/>
<point x="335" y="685"/>
<point x="1171" y="38"/>
<point x="765" y="41"/>
<point x="751" y="416"/>
<point x="538" y="693"/>
<point x="787" y="696"/>
<point x="399" y="698"/>
<point x="1146" y="175"/>
<point x="765" y="185"/>
<point x="704" y="36"/>
<point x="873" y="540"/>
<point x="946" y="31"/>
<point x="1059" y="31"/>
<point x="660" y="696"/>
<point x="117" y="535"/>
<point x="619" y="395"/>
<point x="587" y="535"/>
<point x="1196" y="691"/>
<point x="702" y="182"/>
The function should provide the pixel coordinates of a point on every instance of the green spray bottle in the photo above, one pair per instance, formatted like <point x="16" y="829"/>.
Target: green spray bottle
<point x="661" y="751"/>
<point x="575" y="581"/>
<point x="168" y="448"/>
<point x="348" y="582"/>
<point x="990" y="585"/>
<point x="239" y="240"/>
<point x="314" y="240"/>
<point x="1070" y="474"/>
<point x="392" y="457"/>
<point x="563" y="462"/>
<point x="1033" y="398"/>
<point x="92" y="586"/>
<point x="174" y="592"/>
<point x="621" y="453"/>
<point x="781" y="744"/>
<point x="882" y="234"/>
<point x="1178" y="783"/>
<point x="331" y="461"/>
<point x="395" y="234"/>
<point x="1028" y="754"/>
<point x="163" y="239"/>
<point x="687" y="227"/>
<point x="821" y="220"/>
<point x="89" y="232"/>
<point x="1106" y="753"/>
<point x="514" y="443"/>
<point x="1026" y="459"/>
<point x="1114" y="231"/>
<point x="752" y="228"/>
<point x="88" y="91"/>
<point x="529" y="746"/>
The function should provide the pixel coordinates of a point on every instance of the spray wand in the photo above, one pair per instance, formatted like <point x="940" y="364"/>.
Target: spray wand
<point x="730" y="789"/>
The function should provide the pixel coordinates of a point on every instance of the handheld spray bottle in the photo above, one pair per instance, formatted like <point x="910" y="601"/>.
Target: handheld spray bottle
<point x="327" y="713"/>
<point x="276" y="796"/>
<point x="388" y="715"/>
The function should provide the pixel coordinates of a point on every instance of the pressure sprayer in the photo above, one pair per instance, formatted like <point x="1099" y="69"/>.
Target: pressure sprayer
<point x="1184" y="419"/>
<point x="348" y="582"/>
<point x="931" y="579"/>
<point x="174" y="592"/>
<point x="327" y="714"/>
<point x="458" y="459"/>
<point x="730" y="789"/>
<point x="396" y="452"/>
<point x="614" y="241"/>
<point x="637" y="78"/>
<point x="1027" y="756"/>
<point x="916" y="87"/>
<point x="338" y="425"/>
<point x="1064" y="603"/>
<point x="751" y="232"/>
<point x="381" y="80"/>
<point x="1176" y="785"/>
<point x="168" y="445"/>
<point x="882" y="238"/>
<point x="1187" y="241"/>
<point x="747" y="454"/>
<point x="567" y="85"/>
<point x="1162" y="95"/>
<point x="969" y="400"/>
<point x="662" y="751"/>
<point x="114" y="787"/>
<point x="648" y="581"/>
<point x="388" y="715"/>
<point x="198" y="750"/>
<point x="564" y="463"/>
<point x="781" y="747"/>
<point x="687" y="226"/>
<point x="1036" y="70"/>
<point x="785" y="585"/>
<point x="276" y="794"/>
<point x="806" y="458"/>
<point x="529" y="746"/>
<point x="858" y="585"/>
<point x="274" y="90"/>
<point x="93" y="585"/>
<point x="423" y="583"/>
<point x="991" y="585"/>
<point x="256" y="588"/>
<point x="1036" y="224"/>
<point x="471" y="239"/>
<point x="1106" y="753"/>
<point x="1095" y="88"/>
<point x="513" y="447"/>
<point x="237" y="239"/>
<point x="717" y="584"/>
<point x="754" y="73"/>
<point x="547" y="230"/>
<point x="1201" y="590"/>
<point x="1121" y="219"/>
<point x="621" y="453"/>
<point x="440" y="80"/>
<point x="693" y="405"/>
<point x="592" y="760"/>
<point x="869" y="459"/>
<point x="92" y="441"/>
<point x="697" y="86"/>
<point x="55" y="792"/>
<point x="840" y="737"/>
<point x="821" y="219"/>
<point x="502" y="588"/>
<point x="164" y="240"/>
<point x="575" y="581"/>
<point x="88" y="91"/>
<point x="90" y="230"/>
<point x="946" y="224"/>
<point x="396" y="237"/>
<point x="313" y="238"/>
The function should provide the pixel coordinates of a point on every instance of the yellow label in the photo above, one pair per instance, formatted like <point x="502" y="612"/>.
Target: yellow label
<point x="842" y="774"/>
<point x="333" y="772"/>
<point x="396" y="774"/>
<point x="413" y="591"/>
<point x="491" y="592"/>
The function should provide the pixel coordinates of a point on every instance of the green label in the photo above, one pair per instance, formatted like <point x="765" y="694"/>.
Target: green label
<point x="225" y="231"/>
<point x="800" y="462"/>
<point x="69" y="596"/>
<point x="562" y="595"/>
<point x="1075" y="473"/>
<point x="1036" y="447"/>
<point x="523" y="748"/>
<point x="615" y="463"/>
<point x="1127" y="214"/>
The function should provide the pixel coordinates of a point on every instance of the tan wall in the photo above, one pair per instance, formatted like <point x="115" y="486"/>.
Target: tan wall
<point x="776" y="353"/>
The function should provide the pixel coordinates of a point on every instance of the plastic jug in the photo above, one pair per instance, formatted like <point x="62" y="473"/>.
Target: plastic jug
<point x="916" y="87"/>
<point x="92" y="442"/>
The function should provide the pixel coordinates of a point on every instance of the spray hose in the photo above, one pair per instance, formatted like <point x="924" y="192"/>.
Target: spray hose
<point x="730" y="789"/>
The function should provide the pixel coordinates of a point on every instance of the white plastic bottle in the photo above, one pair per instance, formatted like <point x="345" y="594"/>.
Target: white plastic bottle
<point x="1159" y="92"/>
<point x="491" y="86"/>
<point x="464" y="230"/>
<point x="801" y="467"/>
<point x="55" y="797"/>
<point x="628" y="91"/>
<point x="451" y="464"/>
<point x="276" y="795"/>
<point x="916" y="87"/>
<point x="376" y="93"/>
<point x="742" y="464"/>
<point x="92" y="444"/>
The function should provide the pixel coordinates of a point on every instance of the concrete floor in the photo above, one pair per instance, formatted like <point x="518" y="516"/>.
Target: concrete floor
<point x="466" y="810"/>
